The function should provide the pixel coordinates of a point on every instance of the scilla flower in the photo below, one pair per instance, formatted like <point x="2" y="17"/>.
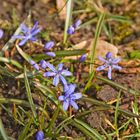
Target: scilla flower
<point x="70" y="97"/>
<point x="73" y="27"/>
<point x="28" y="33"/>
<point x="110" y="63"/>
<point x="39" y="135"/>
<point x="58" y="74"/>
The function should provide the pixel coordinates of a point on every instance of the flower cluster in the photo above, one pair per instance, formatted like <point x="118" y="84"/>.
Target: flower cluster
<point x="110" y="63"/>
<point x="58" y="75"/>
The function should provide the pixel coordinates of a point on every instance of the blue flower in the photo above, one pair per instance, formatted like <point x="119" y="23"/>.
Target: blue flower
<point x="39" y="135"/>
<point x="69" y="97"/>
<point x="28" y="33"/>
<point x="73" y="27"/>
<point x="83" y="58"/>
<point x="34" y="64"/>
<point x="47" y="47"/>
<point x="58" y="74"/>
<point x="1" y="33"/>
<point x="109" y="62"/>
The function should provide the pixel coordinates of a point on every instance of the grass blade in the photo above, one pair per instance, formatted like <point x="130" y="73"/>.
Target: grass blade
<point x="68" y="19"/>
<point x="13" y="62"/>
<point x="2" y="131"/>
<point x="87" y="130"/>
<point x="25" y="130"/>
<point x="118" y="86"/>
<point x="99" y="103"/>
<point x="29" y="95"/>
<point x="97" y="33"/>
<point x="23" y="103"/>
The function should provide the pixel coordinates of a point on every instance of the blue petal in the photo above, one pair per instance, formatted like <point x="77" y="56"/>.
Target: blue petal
<point x="35" y="26"/>
<point x="52" y="54"/>
<point x="73" y="103"/>
<point x="65" y="105"/>
<point x="56" y="80"/>
<point x="32" y="62"/>
<point x="109" y="73"/>
<point x="116" y="60"/>
<point x="77" y="23"/>
<point x="36" y="66"/>
<point x="49" y="45"/>
<point x="71" y="89"/>
<point x="60" y="66"/>
<point x="36" y="31"/>
<point x="43" y="64"/>
<point x="22" y="42"/>
<point x="49" y="74"/>
<point x="1" y="33"/>
<point x="61" y="98"/>
<point x="83" y="58"/>
<point x="66" y="73"/>
<point x="70" y="30"/>
<point x="18" y="37"/>
<point x="76" y="96"/>
<point x="101" y="67"/>
<point x="109" y="55"/>
<point x="51" y="67"/>
<point x="65" y="87"/>
<point x="117" y="67"/>
<point x="102" y="59"/>
<point x="39" y="135"/>
<point x="63" y="80"/>
<point x="33" y="39"/>
<point x="24" y="28"/>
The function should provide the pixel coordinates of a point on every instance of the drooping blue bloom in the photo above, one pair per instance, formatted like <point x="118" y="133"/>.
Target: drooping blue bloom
<point x="70" y="97"/>
<point x="39" y="135"/>
<point x="47" y="47"/>
<point x="73" y="27"/>
<point x="109" y="62"/>
<point x="28" y="33"/>
<point x="1" y="33"/>
<point x="34" y="64"/>
<point x="83" y="58"/>
<point x="58" y="74"/>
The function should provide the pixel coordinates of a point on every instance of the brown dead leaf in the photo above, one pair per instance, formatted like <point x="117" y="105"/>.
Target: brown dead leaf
<point x="61" y="6"/>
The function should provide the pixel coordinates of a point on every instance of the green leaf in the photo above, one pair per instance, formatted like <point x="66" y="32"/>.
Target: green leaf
<point x="97" y="33"/>
<point x="118" y="86"/>
<point x="99" y="103"/>
<point x="2" y="131"/>
<point x="90" y="132"/>
<point x="23" y="54"/>
<point x="28" y="92"/>
<point x="135" y="54"/>
<point x="13" y="62"/>
<point x="68" y="19"/>
<point x="23" y="103"/>
<point x="25" y="130"/>
<point x="63" y="53"/>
